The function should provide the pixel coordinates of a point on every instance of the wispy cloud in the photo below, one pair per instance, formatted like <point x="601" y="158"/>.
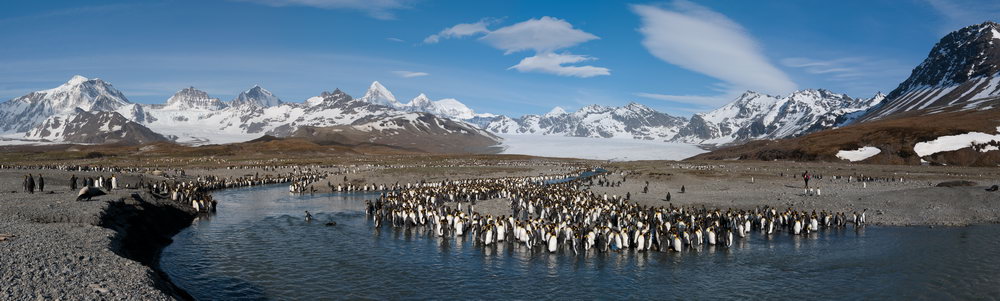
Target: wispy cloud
<point x="378" y="9"/>
<point x="545" y="36"/>
<point x="398" y="40"/>
<point x="703" y="102"/>
<point x="460" y="30"/>
<point x="73" y="11"/>
<point x="812" y="66"/>
<point x="961" y="13"/>
<point x="701" y="40"/>
<point x="409" y="74"/>
<point x="851" y="73"/>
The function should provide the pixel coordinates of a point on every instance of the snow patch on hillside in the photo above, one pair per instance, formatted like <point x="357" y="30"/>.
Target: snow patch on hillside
<point x="953" y="142"/>
<point x="858" y="154"/>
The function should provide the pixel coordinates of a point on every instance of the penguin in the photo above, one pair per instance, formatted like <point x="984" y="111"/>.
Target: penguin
<point x="676" y="242"/>
<point x="309" y="217"/>
<point x="488" y="237"/>
<point x="553" y="243"/>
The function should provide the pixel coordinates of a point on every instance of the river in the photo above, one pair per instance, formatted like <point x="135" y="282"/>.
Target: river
<point x="258" y="246"/>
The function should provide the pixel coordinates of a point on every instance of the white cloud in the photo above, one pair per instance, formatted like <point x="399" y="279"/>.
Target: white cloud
<point x="398" y="40"/>
<point x="546" y="34"/>
<point x="553" y="63"/>
<point x="410" y="74"/>
<point x="379" y="9"/>
<point x="460" y="30"/>
<point x="699" y="39"/>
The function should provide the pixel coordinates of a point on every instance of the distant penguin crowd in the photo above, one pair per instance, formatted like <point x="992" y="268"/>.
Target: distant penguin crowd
<point x="555" y="216"/>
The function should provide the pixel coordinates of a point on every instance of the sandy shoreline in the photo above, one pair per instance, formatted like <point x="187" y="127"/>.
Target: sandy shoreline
<point x="63" y="249"/>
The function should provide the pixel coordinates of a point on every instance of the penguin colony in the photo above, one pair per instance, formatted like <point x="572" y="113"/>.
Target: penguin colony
<point x="561" y="216"/>
<point x="196" y="192"/>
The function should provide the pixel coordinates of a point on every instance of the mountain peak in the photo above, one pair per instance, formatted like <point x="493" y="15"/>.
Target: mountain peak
<point x="556" y="111"/>
<point x="960" y="68"/>
<point x="378" y="94"/>
<point x="76" y="80"/>
<point x="25" y="112"/>
<point x="421" y="102"/>
<point x="636" y="105"/>
<point x="256" y="96"/>
<point x="192" y="98"/>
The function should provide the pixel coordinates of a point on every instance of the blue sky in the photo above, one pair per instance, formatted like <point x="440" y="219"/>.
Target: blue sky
<point x="508" y="57"/>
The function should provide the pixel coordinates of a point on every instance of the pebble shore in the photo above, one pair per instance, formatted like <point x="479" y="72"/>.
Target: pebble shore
<point x="105" y="249"/>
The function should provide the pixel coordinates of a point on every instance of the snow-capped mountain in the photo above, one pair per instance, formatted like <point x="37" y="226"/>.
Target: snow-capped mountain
<point x="94" y="128"/>
<point x="91" y="111"/>
<point x="21" y="114"/>
<point x="236" y="123"/>
<point x="630" y="121"/>
<point x="758" y="116"/>
<point x="415" y="131"/>
<point x="449" y="107"/>
<point x="257" y="97"/>
<point x="193" y="99"/>
<point x="556" y="111"/>
<point x="378" y="94"/>
<point x="192" y="116"/>
<point x="963" y="69"/>
<point x="750" y="116"/>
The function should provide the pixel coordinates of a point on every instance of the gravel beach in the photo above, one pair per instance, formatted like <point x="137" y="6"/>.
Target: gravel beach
<point x="61" y="249"/>
<point x="897" y="196"/>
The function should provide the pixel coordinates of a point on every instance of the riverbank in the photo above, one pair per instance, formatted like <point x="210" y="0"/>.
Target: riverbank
<point x="61" y="249"/>
<point x="893" y="196"/>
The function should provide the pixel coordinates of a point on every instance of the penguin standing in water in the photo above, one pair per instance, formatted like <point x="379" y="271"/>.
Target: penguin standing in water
<point x="676" y="243"/>
<point x="553" y="243"/>
<point x="309" y="216"/>
<point x="711" y="236"/>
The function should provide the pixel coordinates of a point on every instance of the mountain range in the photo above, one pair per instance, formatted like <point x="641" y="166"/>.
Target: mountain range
<point x="946" y="112"/>
<point x="92" y="111"/>
<point x="960" y="73"/>
<point x="192" y="116"/>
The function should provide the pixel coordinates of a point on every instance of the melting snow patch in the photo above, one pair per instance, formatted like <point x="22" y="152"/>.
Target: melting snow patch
<point x="597" y="148"/>
<point x="954" y="142"/>
<point x="858" y="154"/>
